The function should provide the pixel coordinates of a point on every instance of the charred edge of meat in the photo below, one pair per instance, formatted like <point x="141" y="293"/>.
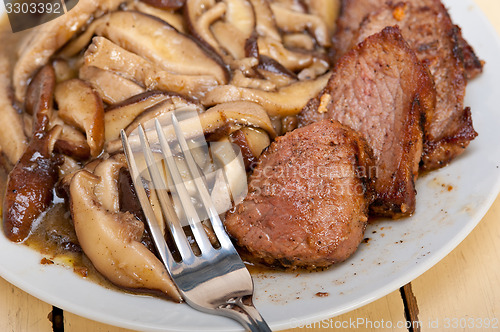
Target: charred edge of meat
<point x="462" y="50"/>
<point x="441" y="153"/>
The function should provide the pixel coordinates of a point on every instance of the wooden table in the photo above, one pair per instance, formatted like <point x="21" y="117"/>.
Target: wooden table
<point x="464" y="288"/>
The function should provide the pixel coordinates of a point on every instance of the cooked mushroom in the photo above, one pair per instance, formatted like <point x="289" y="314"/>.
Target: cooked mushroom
<point x="157" y="42"/>
<point x="71" y="142"/>
<point x="112" y="87"/>
<point x="288" y="100"/>
<point x="200" y="15"/>
<point x="237" y="26"/>
<point x="327" y="10"/>
<point x="216" y="122"/>
<point x="292" y="60"/>
<point x="119" y="116"/>
<point x="44" y="42"/>
<point x="111" y="240"/>
<point x="39" y="97"/>
<point x="293" y="21"/>
<point x="12" y="138"/>
<point x="30" y="185"/>
<point x="265" y="23"/>
<point x="252" y="142"/>
<point x="166" y="4"/>
<point x="172" y="103"/>
<point x="81" y="107"/>
<point x="170" y="16"/>
<point x="105" y="55"/>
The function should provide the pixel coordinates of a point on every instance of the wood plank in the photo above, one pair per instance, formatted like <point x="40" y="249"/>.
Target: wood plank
<point x="21" y="312"/>
<point x="75" y="323"/>
<point x="387" y="309"/>
<point x="464" y="286"/>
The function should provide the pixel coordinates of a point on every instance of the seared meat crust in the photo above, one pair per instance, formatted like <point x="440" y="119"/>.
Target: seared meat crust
<point x="308" y="198"/>
<point x="438" y="43"/>
<point x="381" y="90"/>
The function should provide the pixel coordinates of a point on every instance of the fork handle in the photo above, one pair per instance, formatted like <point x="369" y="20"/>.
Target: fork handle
<point x="243" y="310"/>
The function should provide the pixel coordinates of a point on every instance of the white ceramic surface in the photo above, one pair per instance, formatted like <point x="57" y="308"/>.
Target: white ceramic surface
<point x="397" y="253"/>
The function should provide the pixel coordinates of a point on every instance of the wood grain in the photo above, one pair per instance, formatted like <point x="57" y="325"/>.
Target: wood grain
<point x="465" y="286"/>
<point x="21" y="312"/>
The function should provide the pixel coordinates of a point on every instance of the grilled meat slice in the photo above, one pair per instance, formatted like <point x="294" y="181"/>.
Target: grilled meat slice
<point x="428" y="29"/>
<point x="308" y="198"/>
<point x="382" y="90"/>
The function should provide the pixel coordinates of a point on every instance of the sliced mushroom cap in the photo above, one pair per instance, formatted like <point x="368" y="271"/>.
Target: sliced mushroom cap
<point x="170" y="16"/>
<point x="166" y="4"/>
<point x="252" y="142"/>
<point x="105" y="55"/>
<point x="239" y="113"/>
<point x="158" y="42"/>
<point x="30" y="185"/>
<point x="71" y="142"/>
<point x="112" y="87"/>
<point x="289" y="20"/>
<point x="288" y="100"/>
<point x="12" y="138"/>
<point x="200" y="15"/>
<point x="80" y="106"/>
<point x="265" y="23"/>
<point x="327" y="10"/>
<point x="44" y="41"/>
<point x="39" y="97"/>
<point x="111" y="240"/>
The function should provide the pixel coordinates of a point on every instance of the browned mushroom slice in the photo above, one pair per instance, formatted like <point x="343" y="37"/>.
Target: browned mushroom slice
<point x="166" y="4"/>
<point x="111" y="239"/>
<point x="170" y="16"/>
<point x="299" y="41"/>
<point x="292" y="60"/>
<point x="112" y="87"/>
<point x="200" y="15"/>
<point x="237" y="26"/>
<point x="240" y="113"/>
<point x="265" y="23"/>
<point x="119" y="116"/>
<point x="172" y="103"/>
<point x="160" y="43"/>
<point x="39" y="97"/>
<point x="292" y="21"/>
<point x="272" y="71"/>
<point x="30" y="185"/>
<point x="71" y="142"/>
<point x="45" y="40"/>
<point x="64" y="70"/>
<point x="81" y="107"/>
<point x="216" y="122"/>
<point x="327" y="10"/>
<point x="252" y="141"/>
<point x="105" y="55"/>
<point x="288" y="100"/>
<point x="12" y="138"/>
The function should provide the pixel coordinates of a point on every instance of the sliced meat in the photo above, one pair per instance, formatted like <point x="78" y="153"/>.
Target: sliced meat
<point x="352" y="14"/>
<point x="428" y="29"/>
<point x="382" y="90"/>
<point x="308" y="198"/>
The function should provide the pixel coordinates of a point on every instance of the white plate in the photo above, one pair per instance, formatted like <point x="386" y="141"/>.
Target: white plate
<point x="397" y="253"/>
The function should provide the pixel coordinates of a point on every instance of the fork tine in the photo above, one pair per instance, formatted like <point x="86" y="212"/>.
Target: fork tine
<point x="168" y="210"/>
<point x="200" y="185"/>
<point x="153" y="223"/>
<point x="182" y="193"/>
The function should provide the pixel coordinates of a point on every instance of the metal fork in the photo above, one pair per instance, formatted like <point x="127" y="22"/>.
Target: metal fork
<point x="216" y="281"/>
